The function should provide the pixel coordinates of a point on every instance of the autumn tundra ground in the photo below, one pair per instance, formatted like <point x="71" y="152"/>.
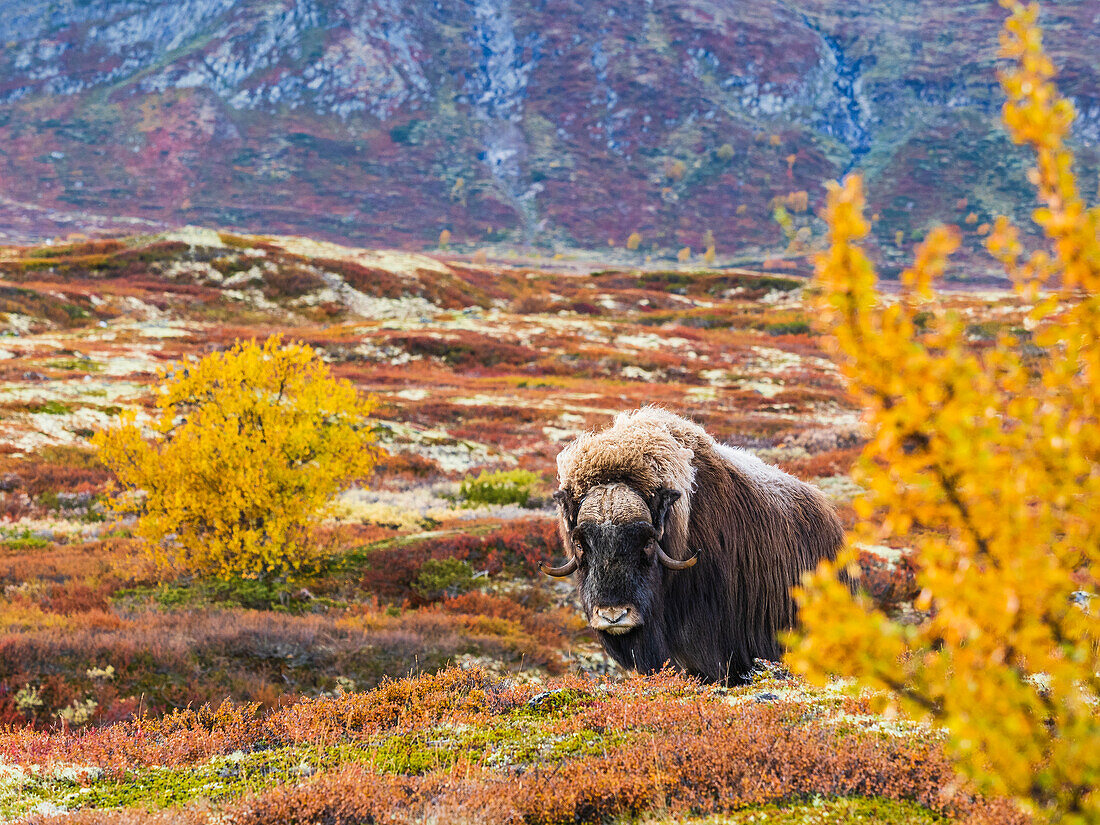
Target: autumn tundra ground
<point x="427" y="672"/>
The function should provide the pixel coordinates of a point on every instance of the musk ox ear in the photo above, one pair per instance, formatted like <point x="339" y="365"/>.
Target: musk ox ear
<point x="567" y="506"/>
<point x="568" y="509"/>
<point x="660" y="506"/>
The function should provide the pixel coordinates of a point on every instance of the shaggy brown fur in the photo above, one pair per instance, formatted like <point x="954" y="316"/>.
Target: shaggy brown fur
<point x="756" y="529"/>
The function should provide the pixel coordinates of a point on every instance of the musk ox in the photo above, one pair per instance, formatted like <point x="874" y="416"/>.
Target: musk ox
<point x="685" y="549"/>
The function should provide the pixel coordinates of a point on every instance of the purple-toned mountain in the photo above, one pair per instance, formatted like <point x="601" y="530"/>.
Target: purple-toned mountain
<point x="564" y="123"/>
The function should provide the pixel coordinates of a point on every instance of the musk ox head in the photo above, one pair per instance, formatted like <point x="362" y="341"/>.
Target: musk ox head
<point x="613" y="537"/>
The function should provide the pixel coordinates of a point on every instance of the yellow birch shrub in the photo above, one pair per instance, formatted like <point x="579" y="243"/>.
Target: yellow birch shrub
<point x="247" y="450"/>
<point x="987" y="464"/>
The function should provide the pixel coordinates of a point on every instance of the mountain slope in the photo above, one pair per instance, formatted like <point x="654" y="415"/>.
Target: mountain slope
<point x="383" y="122"/>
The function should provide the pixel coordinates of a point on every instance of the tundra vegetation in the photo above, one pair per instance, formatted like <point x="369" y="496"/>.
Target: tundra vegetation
<point x="421" y="669"/>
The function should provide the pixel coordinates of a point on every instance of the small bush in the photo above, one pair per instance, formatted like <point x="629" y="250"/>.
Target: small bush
<point x="503" y="487"/>
<point x="443" y="577"/>
<point x="788" y="328"/>
<point x="250" y="448"/>
<point x="465" y="352"/>
<point x="291" y="281"/>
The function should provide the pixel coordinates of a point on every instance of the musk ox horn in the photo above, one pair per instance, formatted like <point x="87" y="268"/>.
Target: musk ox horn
<point x="674" y="564"/>
<point x="565" y="569"/>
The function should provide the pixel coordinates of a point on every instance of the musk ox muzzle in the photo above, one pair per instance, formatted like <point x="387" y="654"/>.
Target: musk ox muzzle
<point x="616" y="620"/>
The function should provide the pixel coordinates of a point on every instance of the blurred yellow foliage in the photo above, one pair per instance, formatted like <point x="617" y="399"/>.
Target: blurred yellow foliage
<point x="633" y="241"/>
<point x="710" y="253"/>
<point x="248" y="449"/>
<point x="987" y="464"/>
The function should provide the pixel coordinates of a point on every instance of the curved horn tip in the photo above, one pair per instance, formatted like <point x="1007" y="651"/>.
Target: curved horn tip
<point x="559" y="572"/>
<point x="675" y="564"/>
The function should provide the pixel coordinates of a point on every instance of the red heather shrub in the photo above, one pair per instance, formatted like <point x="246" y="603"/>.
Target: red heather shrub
<point x="495" y="283"/>
<point x="351" y="795"/>
<point x="465" y="352"/>
<point x="758" y="760"/>
<point x="540" y="635"/>
<point x="55" y="470"/>
<point x="889" y="583"/>
<point x="585" y="308"/>
<point x="407" y="465"/>
<point x="291" y="281"/>
<point x="177" y="658"/>
<point x="517" y="545"/>
<point x="830" y="463"/>
<point x="376" y="282"/>
<point x="98" y="564"/>
<point x="189" y="735"/>
<point x="533" y="303"/>
<point x="70" y="598"/>
<point x="454" y="695"/>
<point x="445" y="290"/>
<point x="504" y="416"/>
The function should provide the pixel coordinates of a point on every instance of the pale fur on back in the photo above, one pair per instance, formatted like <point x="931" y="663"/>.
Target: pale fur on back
<point x="768" y="479"/>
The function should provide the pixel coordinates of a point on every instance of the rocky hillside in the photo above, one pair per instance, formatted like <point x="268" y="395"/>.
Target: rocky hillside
<point x="542" y="121"/>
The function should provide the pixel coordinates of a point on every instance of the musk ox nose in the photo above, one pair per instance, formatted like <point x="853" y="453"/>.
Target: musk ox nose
<point x="619" y="619"/>
<point x="611" y="615"/>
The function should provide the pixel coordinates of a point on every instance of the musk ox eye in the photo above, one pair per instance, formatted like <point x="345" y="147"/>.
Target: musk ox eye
<point x="580" y="546"/>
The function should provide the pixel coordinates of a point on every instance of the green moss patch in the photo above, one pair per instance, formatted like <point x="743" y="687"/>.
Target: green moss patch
<point x="820" y="811"/>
